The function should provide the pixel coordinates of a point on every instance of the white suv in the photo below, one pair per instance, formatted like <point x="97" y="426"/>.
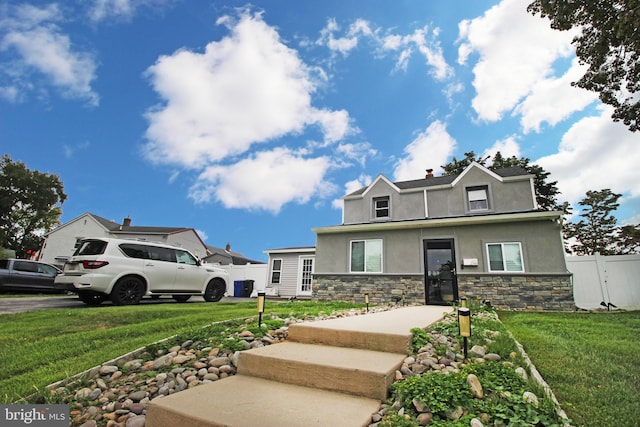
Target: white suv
<point x="127" y="270"/>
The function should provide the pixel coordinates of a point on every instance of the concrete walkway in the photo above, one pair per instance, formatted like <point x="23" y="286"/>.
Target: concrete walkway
<point x="328" y="373"/>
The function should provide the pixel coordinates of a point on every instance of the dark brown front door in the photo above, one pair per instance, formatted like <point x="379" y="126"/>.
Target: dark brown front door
<point x="441" y="286"/>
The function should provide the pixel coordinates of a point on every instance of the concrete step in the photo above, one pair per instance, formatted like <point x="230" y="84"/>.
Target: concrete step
<point x="354" y="371"/>
<point x="388" y="331"/>
<point x="242" y="401"/>
<point x="354" y="355"/>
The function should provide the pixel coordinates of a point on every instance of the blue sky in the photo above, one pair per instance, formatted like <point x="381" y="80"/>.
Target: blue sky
<point x="249" y="121"/>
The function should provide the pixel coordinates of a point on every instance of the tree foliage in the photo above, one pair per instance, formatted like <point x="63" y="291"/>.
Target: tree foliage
<point x="596" y="232"/>
<point x="30" y="205"/>
<point x="608" y="41"/>
<point x="628" y="240"/>
<point x="546" y="192"/>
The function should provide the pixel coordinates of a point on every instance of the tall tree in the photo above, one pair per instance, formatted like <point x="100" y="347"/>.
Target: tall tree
<point x="608" y="41"/>
<point x="596" y="231"/>
<point x="546" y="192"/>
<point x="30" y="205"/>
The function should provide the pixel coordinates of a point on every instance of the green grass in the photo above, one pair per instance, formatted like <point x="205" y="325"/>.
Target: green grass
<point x="591" y="361"/>
<point x="41" y="347"/>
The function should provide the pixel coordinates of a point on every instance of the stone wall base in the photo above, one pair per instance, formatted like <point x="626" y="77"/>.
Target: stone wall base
<point x="504" y="292"/>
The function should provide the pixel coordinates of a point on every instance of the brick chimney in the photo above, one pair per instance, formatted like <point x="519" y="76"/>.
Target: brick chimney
<point x="126" y="222"/>
<point x="429" y="173"/>
<point x="228" y="247"/>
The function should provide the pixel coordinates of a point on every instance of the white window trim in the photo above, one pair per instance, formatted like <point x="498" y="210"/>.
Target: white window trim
<point x="504" y="258"/>
<point x="375" y="208"/>
<point x="365" y="256"/>
<point x="272" y="270"/>
<point x="471" y="189"/>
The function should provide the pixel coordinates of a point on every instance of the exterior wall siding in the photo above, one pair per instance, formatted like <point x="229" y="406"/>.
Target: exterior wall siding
<point x="505" y="292"/>
<point x="403" y="249"/>
<point x="61" y="242"/>
<point x="288" y="285"/>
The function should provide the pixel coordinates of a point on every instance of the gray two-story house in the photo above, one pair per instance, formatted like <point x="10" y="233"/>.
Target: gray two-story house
<point x="478" y="234"/>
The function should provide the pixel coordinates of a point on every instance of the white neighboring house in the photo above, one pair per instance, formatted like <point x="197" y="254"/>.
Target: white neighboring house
<point x="290" y="272"/>
<point x="60" y="243"/>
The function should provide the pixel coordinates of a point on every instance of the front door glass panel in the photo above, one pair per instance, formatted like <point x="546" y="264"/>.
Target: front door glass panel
<point x="440" y="272"/>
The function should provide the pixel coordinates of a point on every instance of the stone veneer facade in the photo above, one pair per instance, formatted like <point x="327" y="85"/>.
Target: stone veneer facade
<point x="527" y="292"/>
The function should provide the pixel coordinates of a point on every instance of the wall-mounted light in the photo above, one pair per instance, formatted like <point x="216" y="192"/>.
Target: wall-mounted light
<point x="261" y="298"/>
<point x="366" y="301"/>
<point x="464" y="326"/>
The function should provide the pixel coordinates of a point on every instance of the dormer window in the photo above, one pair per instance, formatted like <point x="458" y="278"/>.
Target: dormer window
<point x="478" y="199"/>
<point x="381" y="207"/>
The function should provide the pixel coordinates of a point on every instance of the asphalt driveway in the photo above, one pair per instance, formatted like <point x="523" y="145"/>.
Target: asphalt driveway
<point x="18" y="305"/>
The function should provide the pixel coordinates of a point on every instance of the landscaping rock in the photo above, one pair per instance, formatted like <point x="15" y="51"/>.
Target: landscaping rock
<point x="476" y="387"/>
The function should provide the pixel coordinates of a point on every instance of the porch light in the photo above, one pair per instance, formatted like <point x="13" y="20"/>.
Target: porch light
<point x="366" y="301"/>
<point x="464" y="325"/>
<point x="261" y="297"/>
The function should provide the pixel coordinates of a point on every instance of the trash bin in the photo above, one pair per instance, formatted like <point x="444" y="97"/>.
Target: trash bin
<point x="247" y="288"/>
<point x="238" y="288"/>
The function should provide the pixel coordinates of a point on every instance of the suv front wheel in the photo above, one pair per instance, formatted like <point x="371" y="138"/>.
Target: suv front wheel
<point x="215" y="290"/>
<point x="127" y="291"/>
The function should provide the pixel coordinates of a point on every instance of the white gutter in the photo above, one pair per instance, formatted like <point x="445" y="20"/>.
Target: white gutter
<point x="442" y="222"/>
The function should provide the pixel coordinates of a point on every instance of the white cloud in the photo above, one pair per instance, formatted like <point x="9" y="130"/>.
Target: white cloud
<point x="203" y="235"/>
<point x="554" y="100"/>
<point x="351" y="186"/>
<point x="245" y="89"/>
<point x="358" y="152"/>
<point x="423" y="40"/>
<point x="429" y="150"/>
<point x="39" y="44"/>
<point x="101" y="10"/>
<point x="595" y="154"/>
<point x="346" y="43"/>
<point x="516" y="52"/>
<point x="266" y="181"/>
<point x="507" y="147"/>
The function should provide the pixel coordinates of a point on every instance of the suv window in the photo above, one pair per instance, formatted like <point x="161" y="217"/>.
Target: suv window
<point x="134" y="251"/>
<point x="161" y="254"/>
<point x="91" y="247"/>
<point x="185" y="257"/>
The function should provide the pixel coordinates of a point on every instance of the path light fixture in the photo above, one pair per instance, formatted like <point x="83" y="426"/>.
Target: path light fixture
<point x="463" y="301"/>
<point x="261" y="297"/>
<point x="366" y="301"/>
<point x="464" y="326"/>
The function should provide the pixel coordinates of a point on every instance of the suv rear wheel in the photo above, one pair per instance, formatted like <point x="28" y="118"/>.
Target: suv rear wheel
<point x="127" y="291"/>
<point x="215" y="291"/>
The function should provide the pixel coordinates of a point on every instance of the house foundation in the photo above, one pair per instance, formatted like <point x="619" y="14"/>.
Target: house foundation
<point x="526" y="292"/>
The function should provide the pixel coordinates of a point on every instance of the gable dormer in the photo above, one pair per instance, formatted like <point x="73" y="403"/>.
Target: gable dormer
<point x="476" y="191"/>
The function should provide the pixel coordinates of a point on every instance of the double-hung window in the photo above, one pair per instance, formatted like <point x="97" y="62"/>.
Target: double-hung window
<point x="276" y="270"/>
<point x="381" y="207"/>
<point x="478" y="199"/>
<point x="366" y="256"/>
<point x="505" y="257"/>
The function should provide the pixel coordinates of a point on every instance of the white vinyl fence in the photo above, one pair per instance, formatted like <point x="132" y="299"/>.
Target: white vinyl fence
<point x="606" y="282"/>
<point x="255" y="272"/>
